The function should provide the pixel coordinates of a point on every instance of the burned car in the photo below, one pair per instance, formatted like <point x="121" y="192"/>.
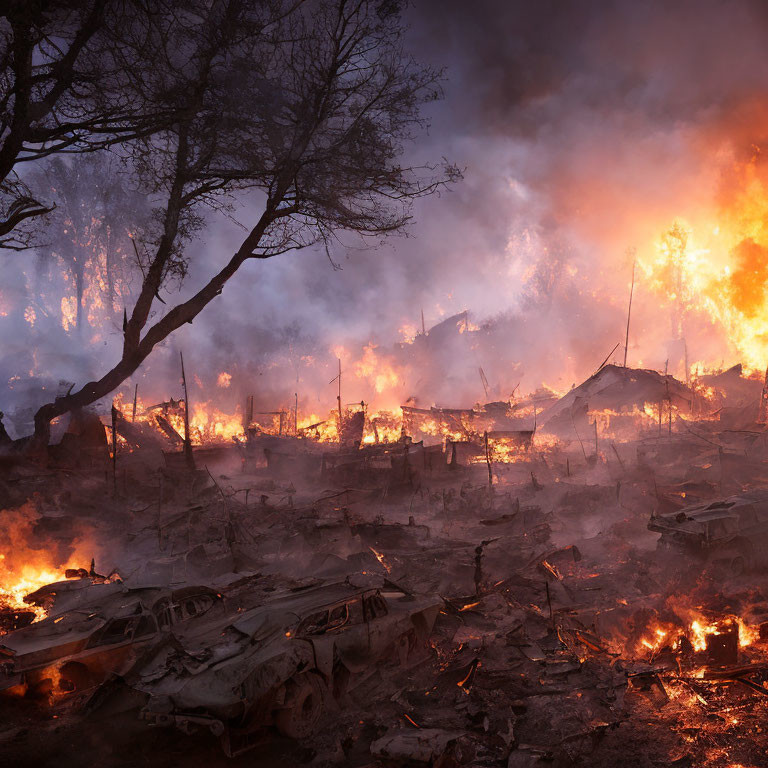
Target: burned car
<point x="729" y="534"/>
<point x="282" y="663"/>
<point x="93" y="631"/>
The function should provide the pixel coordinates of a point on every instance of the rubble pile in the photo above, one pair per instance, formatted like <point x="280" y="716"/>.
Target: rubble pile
<point x="593" y="596"/>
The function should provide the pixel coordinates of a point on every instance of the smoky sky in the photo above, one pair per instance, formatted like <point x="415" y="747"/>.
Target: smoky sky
<point x="565" y="116"/>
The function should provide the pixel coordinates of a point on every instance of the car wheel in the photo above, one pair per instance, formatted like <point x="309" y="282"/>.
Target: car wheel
<point x="74" y="677"/>
<point x="305" y="703"/>
<point x="738" y="565"/>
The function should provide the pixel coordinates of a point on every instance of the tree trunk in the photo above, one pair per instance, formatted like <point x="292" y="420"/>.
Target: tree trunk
<point x="134" y="355"/>
<point x="79" y="291"/>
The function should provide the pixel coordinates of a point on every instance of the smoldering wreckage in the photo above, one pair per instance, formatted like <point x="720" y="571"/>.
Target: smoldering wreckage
<point x="554" y="581"/>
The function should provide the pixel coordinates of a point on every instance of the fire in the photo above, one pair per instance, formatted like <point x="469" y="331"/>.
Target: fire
<point x="381" y="559"/>
<point x="696" y="631"/>
<point x="699" y="633"/>
<point x="14" y="586"/>
<point x="719" y="269"/>
<point x="544" y="442"/>
<point x="377" y="370"/>
<point x="408" y="333"/>
<point x="322" y="429"/>
<point x="383" y="427"/>
<point x="626" y="424"/>
<point x="208" y="423"/>
<point x="656" y="640"/>
<point x="747" y="635"/>
<point x="224" y="379"/>
<point x="68" y="312"/>
<point x="24" y="569"/>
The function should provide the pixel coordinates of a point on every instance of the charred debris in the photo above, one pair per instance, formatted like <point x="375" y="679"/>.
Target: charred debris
<point x="535" y="583"/>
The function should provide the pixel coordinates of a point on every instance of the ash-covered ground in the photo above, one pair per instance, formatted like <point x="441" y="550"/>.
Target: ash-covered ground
<point x="291" y="602"/>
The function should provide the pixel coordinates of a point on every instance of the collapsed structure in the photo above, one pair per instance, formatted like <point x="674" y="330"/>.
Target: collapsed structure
<point x="431" y="596"/>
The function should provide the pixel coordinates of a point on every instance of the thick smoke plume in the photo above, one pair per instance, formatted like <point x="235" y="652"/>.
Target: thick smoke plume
<point x="587" y="132"/>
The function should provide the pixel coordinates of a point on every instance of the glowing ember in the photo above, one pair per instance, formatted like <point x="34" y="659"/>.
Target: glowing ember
<point x="381" y="559"/>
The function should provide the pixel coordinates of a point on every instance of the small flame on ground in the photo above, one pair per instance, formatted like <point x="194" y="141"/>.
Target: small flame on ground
<point x="381" y="559"/>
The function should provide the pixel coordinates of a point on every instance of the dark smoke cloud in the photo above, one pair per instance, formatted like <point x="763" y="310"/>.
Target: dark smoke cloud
<point x="568" y="117"/>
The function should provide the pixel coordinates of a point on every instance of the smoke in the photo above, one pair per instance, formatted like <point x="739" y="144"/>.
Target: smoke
<point x="585" y="130"/>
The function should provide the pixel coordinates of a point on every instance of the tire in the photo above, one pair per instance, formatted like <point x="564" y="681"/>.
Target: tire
<point x="732" y="563"/>
<point x="305" y="697"/>
<point x="74" y="677"/>
<point x="738" y="566"/>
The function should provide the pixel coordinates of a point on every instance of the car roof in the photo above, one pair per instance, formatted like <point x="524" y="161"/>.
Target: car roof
<point x="299" y="603"/>
<point x="723" y="508"/>
<point x="80" y="621"/>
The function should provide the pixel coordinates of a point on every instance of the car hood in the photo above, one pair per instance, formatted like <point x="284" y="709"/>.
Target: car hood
<point x="53" y="632"/>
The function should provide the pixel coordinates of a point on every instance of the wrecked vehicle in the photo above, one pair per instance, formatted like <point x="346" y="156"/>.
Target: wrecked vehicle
<point x="729" y="534"/>
<point x="283" y="663"/>
<point x="94" y="631"/>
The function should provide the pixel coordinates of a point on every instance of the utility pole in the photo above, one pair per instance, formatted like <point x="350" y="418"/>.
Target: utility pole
<point x="135" y="395"/>
<point x="295" y="413"/>
<point x="488" y="461"/>
<point x="248" y="418"/>
<point x="629" y="310"/>
<point x="423" y="327"/>
<point x="187" y="440"/>
<point x="338" y="397"/>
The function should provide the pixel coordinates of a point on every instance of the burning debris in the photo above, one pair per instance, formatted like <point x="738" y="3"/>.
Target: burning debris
<point x="533" y="580"/>
<point x="297" y="538"/>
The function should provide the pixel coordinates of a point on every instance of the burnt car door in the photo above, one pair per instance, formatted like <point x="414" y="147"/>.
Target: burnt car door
<point x="338" y="631"/>
<point x="349" y="631"/>
<point x="110" y="647"/>
<point x="381" y="626"/>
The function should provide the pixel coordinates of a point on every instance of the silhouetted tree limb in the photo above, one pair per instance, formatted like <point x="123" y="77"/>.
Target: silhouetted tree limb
<point x="65" y="74"/>
<point x="310" y="103"/>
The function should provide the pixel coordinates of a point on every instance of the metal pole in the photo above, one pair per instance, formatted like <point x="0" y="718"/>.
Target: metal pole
<point x="187" y="441"/>
<point x="339" y="401"/>
<point x="629" y="314"/>
<point x="488" y="461"/>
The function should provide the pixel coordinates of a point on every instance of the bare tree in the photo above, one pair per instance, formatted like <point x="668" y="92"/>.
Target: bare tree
<point x="64" y="72"/>
<point x="308" y="103"/>
<point x="89" y="234"/>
